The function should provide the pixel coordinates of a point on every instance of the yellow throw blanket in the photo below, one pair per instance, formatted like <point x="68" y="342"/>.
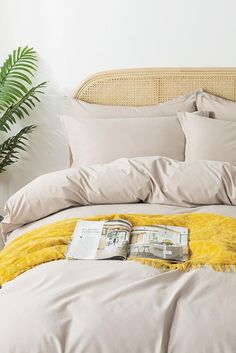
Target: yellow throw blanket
<point x="212" y="242"/>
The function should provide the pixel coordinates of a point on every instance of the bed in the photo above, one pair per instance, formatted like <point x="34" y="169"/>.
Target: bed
<point x="124" y="306"/>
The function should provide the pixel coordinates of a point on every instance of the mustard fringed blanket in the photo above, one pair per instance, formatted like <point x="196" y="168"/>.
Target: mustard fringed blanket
<point x="212" y="242"/>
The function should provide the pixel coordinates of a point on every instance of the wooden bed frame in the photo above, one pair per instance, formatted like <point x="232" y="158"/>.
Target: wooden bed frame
<point x="136" y="87"/>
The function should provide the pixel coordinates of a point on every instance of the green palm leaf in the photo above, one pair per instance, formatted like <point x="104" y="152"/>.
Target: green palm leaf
<point x="21" y="108"/>
<point x="17" y="99"/>
<point x="10" y="148"/>
<point x="15" y="75"/>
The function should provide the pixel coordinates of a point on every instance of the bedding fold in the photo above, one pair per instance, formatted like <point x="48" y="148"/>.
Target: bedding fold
<point x="156" y="180"/>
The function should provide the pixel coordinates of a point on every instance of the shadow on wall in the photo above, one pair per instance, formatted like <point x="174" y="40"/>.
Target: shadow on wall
<point x="48" y="149"/>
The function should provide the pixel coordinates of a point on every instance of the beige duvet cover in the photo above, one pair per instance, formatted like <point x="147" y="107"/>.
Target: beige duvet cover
<point x="118" y="307"/>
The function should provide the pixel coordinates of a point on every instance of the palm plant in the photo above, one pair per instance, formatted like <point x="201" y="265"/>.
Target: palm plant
<point x="17" y="99"/>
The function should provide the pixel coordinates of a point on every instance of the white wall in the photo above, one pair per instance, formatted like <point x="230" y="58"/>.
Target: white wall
<point x="75" y="38"/>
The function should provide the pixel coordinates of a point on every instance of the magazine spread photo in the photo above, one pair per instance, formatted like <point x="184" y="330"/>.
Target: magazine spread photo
<point x="163" y="242"/>
<point x="100" y="240"/>
<point x="118" y="240"/>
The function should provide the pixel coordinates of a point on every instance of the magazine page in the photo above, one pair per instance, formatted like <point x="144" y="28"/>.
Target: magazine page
<point x="100" y="240"/>
<point x="85" y="240"/>
<point x="163" y="242"/>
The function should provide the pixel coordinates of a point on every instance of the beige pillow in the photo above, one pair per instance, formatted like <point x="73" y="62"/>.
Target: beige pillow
<point x="80" y="109"/>
<point x="209" y="139"/>
<point x="95" y="141"/>
<point x="219" y="108"/>
<point x="149" y="179"/>
<point x="104" y="140"/>
<point x="101" y="142"/>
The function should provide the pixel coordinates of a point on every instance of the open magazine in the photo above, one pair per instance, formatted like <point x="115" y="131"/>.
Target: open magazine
<point x="117" y="239"/>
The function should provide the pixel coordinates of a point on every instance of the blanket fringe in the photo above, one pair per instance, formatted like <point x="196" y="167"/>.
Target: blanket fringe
<point x="184" y="266"/>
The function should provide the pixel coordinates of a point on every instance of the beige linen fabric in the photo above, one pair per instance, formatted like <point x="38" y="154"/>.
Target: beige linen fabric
<point x="79" y="109"/>
<point x="104" y="140"/>
<point x="115" y="307"/>
<point x="118" y="306"/>
<point x="219" y="108"/>
<point x="97" y="210"/>
<point x="114" y="136"/>
<point x="149" y="179"/>
<point x="209" y="139"/>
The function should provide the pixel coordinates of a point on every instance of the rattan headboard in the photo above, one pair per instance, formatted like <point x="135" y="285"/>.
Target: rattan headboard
<point x="135" y="87"/>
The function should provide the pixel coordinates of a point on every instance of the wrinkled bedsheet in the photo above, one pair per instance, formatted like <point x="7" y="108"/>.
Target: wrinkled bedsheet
<point x="115" y="306"/>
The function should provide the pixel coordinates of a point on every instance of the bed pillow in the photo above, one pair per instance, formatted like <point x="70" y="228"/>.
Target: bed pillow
<point x="104" y="140"/>
<point x="95" y="141"/>
<point x="80" y="109"/>
<point x="219" y="108"/>
<point x="208" y="139"/>
<point x="156" y="180"/>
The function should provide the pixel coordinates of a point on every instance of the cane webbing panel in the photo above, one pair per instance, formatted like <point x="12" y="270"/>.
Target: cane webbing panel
<point x="135" y="87"/>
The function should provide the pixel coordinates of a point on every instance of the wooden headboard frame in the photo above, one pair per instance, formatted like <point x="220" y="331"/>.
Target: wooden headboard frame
<point x="135" y="87"/>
